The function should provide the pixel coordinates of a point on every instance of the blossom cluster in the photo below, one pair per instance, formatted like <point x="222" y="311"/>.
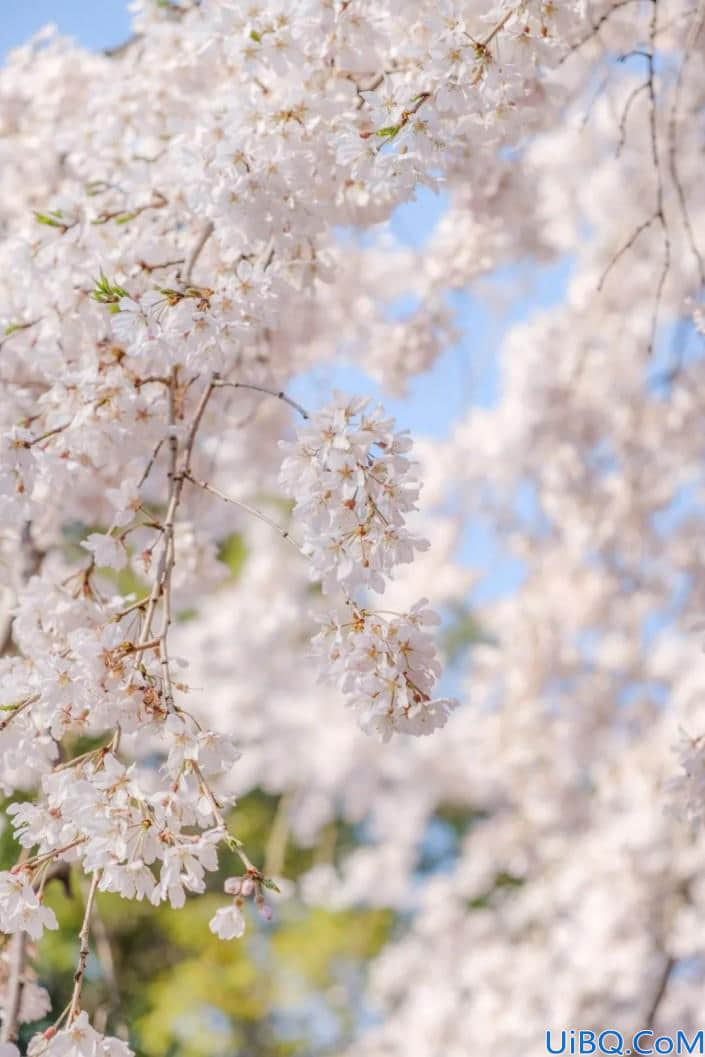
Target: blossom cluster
<point x="79" y="1039"/>
<point x="21" y="910"/>
<point x="352" y="486"/>
<point x="387" y="667"/>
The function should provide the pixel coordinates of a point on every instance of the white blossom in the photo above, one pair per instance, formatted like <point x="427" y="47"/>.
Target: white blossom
<point x="387" y="667"/>
<point x="228" y="922"/>
<point x="352" y="486"/>
<point x="21" y="908"/>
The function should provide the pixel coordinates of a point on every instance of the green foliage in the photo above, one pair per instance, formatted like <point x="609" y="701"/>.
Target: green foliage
<point x="502" y="884"/>
<point x="185" y="993"/>
<point x="107" y="293"/>
<point x="463" y="632"/>
<point x="51" y="219"/>
<point x="460" y="817"/>
<point x="233" y="552"/>
<point x="317" y="939"/>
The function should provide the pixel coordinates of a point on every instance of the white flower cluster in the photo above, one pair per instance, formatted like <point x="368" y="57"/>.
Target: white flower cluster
<point x="35" y="1001"/>
<point x="78" y="1039"/>
<point x="228" y="922"/>
<point x="687" y="789"/>
<point x="352" y="486"/>
<point x="21" y="909"/>
<point x="388" y="667"/>
<point x="100" y="812"/>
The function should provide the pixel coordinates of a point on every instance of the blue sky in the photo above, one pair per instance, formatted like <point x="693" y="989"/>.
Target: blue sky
<point x="95" y="25"/>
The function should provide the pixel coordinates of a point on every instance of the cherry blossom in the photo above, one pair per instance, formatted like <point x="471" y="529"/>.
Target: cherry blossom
<point x="169" y="273"/>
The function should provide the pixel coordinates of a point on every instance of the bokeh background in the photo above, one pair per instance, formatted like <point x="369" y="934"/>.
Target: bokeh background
<point x="596" y="862"/>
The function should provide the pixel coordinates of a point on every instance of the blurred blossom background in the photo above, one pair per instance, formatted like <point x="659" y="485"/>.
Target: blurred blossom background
<point x="534" y="864"/>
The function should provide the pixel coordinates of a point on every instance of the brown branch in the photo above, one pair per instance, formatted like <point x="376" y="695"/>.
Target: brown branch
<point x="17" y="329"/>
<point x="10" y="1022"/>
<point x="669" y="965"/>
<point x="206" y="232"/>
<point x="596" y="27"/>
<point x="285" y="535"/>
<point x="673" y="144"/>
<point x="653" y="26"/>
<point x="220" y="820"/>
<point x="104" y="954"/>
<point x="280" y="395"/>
<point x="15" y="982"/>
<point x="627" y="246"/>
<point x="84" y="948"/>
<point x="126" y="215"/>
<point x="634" y="94"/>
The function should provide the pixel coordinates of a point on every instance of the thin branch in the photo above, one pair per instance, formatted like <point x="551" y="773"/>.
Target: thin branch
<point x="206" y="232"/>
<point x="104" y="954"/>
<point x="15" y="984"/>
<point x="634" y="94"/>
<point x="500" y="26"/>
<point x="84" y="948"/>
<point x="596" y="27"/>
<point x="17" y="710"/>
<point x="150" y="464"/>
<point x="284" y="533"/>
<point x="176" y="481"/>
<point x="165" y="264"/>
<point x="280" y="395"/>
<point x="627" y="246"/>
<point x="170" y="555"/>
<point x="125" y="215"/>
<point x="653" y="26"/>
<point x="220" y="820"/>
<point x="17" y="329"/>
<point x="660" y="991"/>
<point x="120" y="49"/>
<point x="673" y="144"/>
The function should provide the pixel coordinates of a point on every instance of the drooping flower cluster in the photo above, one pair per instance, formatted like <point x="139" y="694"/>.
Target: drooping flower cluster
<point x="228" y="922"/>
<point x="100" y="813"/>
<point x="35" y="1000"/>
<point x="78" y="1039"/>
<point x="387" y="666"/>
<point x="352" y="486"/>
<point x="21" y="910"/>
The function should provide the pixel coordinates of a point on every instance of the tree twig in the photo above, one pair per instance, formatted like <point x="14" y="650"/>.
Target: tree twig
<point x="280" y="395"/>
<point x="205" y="234"/>
<point x="15" y="984"/>
<point x="84" y="948"/>
<point x="284" y="533"/>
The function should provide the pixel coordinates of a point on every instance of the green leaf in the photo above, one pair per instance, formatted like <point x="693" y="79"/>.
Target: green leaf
<point x="49" y="219"/>
<point x="388" y="132"/>
<point x="107" y="293"/>
<point x="233" y="552"/>
<point x="462" y="633"/>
